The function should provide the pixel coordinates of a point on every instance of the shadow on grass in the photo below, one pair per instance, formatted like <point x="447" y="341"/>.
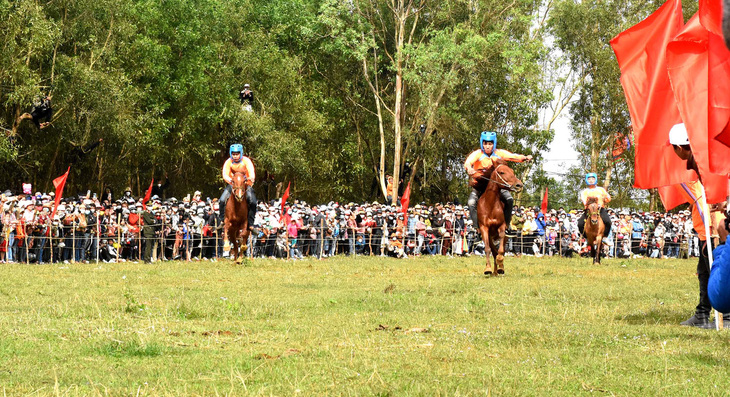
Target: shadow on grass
<point x="185" y="312"/>
<point x="705" y="359"/>
<point x="131" y="349"/>
<point x="654" y="317"/>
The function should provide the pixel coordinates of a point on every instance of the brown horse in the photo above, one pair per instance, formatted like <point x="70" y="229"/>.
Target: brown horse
<point x="490" y="209"/>
<point x="236" y="223"/>
<point x="594" y="228"/>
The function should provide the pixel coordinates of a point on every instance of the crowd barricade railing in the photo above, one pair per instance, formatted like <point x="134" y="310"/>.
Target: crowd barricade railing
<point x="73" y="244"/>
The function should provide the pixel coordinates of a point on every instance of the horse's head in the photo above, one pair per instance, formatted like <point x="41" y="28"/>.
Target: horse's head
<point x="504" y="177"/>
<point x="594" y="209"/>
<point x="239" y="185"/>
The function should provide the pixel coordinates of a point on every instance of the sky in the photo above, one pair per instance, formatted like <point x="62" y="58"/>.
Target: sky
<point x="561" y="155"/>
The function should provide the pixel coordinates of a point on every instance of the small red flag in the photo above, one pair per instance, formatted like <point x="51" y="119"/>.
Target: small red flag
<point x="406" y="200"/>
<point x="147" y="195"/>
<point x="284" y="197"/>
<point x="59" y="183"/>
<point x="641" y="55"/>
<point x="284" y="215"/>
<point x="543" y="208"/>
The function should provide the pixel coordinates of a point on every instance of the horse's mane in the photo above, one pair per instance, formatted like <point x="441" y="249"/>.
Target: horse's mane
<point x="591" y="200"/>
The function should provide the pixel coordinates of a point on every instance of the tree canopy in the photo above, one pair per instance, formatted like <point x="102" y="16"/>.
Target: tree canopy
<point x="345" y="92"/>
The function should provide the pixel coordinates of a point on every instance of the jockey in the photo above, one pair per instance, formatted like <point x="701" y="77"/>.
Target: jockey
<point x="482" y="158"/>
<point x="238" y="163"/>
<point x="603" y="198"/>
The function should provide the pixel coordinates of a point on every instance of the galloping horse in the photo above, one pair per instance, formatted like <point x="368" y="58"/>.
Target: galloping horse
<point x="236" y="223"/>
<point x="490" y="209"/>
<point x="594" y="228"/>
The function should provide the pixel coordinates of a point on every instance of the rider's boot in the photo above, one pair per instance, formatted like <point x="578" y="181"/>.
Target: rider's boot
<point x="509" y="203"/>
<point x="222" y="211"/>
<point x="472" y="204"/>
<point x="252" y="207"/>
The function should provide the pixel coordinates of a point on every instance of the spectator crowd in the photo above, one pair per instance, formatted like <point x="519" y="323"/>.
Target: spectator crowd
<point x="105" y="228"/>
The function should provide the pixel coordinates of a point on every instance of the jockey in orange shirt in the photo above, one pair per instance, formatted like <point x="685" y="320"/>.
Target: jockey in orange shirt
<point x="482" y="158"/>
<point x="238" y="163"/>
<point x="603" y="198"/>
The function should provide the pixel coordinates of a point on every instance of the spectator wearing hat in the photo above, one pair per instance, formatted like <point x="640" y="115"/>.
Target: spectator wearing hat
<point x="40" y="233"/>
<point x="679" y="140"/>
<point x="293" y="233"/>
<point x="529" y="232"/>
<point x="9" y="225"/>
<point x="637" y="235"/>
<point x="431" y="241"/>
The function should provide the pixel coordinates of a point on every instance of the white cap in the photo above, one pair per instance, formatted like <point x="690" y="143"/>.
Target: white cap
<point x="678" y="135"/>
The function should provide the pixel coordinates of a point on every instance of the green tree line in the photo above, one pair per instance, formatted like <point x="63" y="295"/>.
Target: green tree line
<point x="346" y="92"/>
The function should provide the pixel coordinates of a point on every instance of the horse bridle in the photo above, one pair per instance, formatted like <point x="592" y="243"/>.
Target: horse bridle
<point x="597" y="213"/>
<point x="243" y="188"/>
<point x="503" y="183"/>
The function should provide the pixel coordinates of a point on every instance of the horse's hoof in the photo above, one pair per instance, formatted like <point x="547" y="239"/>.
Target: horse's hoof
<point x="500" y="271"/>
<point x="487" y="272"/>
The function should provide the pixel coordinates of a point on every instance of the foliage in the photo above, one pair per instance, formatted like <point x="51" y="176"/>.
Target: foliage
<point x="158" y="82"/>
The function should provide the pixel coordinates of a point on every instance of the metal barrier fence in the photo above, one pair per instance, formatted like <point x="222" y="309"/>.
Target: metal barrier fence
<point x="109" y="242"/>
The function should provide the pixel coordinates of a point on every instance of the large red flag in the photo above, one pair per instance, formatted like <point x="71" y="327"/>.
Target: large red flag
<point x="147" y="195"/>
<point x="700" y="76"/>
<point x="641" y="54"/>
<point x="59" y="183"/>
<point x="543" y="207"/>
<point x="405" y="201"/>
<point x="719" y="70"/>
<point x="284" y="215"/>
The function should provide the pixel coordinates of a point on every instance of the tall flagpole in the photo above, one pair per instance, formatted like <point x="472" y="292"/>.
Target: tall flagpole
<point x="708" y="243"/>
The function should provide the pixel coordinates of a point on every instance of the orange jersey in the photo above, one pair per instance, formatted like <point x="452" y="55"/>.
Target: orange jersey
<point x="478" y="160"/>
<point x="598" y="192"/>
<point x="245" y="166"/>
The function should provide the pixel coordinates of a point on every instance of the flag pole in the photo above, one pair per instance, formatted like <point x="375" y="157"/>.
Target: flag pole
<point x="708" y="243"/>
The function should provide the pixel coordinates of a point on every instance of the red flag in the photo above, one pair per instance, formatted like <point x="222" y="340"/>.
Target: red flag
<point x="405" y="201"/>
<point x="284" y="197"/>
<point x="147" y="195"/>
<point x="641" y="55"/>
<point x="622" y="144"/>
<point x="284" y="215"/>
<point x="699" y="69"/>
<point x="543" y="207"/>
<point x="59" y="183"/>
<point x="674" y="195"/>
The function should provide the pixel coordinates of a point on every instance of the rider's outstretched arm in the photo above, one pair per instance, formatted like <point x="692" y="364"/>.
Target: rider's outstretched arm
<point x="509" y="156"/>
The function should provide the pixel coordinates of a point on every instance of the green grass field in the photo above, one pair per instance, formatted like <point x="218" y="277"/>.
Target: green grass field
<point x="363" y="326"/>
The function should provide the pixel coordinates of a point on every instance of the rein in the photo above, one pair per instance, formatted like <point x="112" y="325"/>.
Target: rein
<point x="503" y="183"/>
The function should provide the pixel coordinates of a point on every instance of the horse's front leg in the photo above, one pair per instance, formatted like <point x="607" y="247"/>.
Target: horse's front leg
<point x="233" y="240"/>
<point x="597" y="257"/>
<point x="244" y="239"/>
<point x="499" y="252"/>
<point x="487" y="244"/>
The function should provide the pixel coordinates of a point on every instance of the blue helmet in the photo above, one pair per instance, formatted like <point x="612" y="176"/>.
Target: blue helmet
<point x="488" y="136"/>
<point x="236" y="148"/>
<point x="591" y="175"/>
